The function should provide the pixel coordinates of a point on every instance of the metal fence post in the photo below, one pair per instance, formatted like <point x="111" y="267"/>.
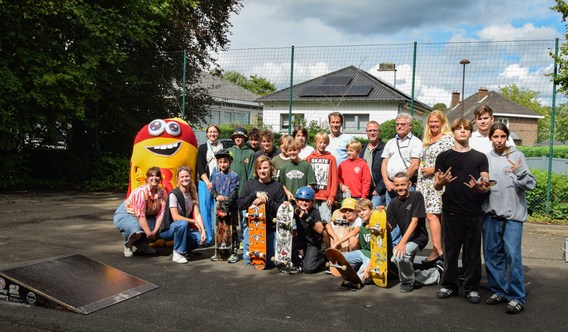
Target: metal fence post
<point x="183" y="84"/>
<point x="291" y="92"/>
<point x="551" y="139"/>
<point x="413" y="80"/>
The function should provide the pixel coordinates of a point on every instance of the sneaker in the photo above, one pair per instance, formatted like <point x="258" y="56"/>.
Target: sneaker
<point x="294" y="269"/>
<point x="495" y="299"/>
<point x="128" y="251"/>
<point x="145" y="248"/>
<point x="444" y="293"/>
<point x="473" y="297"/>
<point x="178" y="258"/>
<point x="133" y="238"/>
<point x="214" y="258"/>
<point x="406" y="287"/>
<point x="514" y="307"/>
<point x="233" y="259"/>
<point x="440" y="267"/>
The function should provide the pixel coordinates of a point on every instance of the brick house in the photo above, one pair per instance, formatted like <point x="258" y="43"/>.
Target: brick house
<point x="521" y="121"/>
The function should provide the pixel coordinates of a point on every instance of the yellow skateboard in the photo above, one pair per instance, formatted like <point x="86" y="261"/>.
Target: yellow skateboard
<point x="379" y="248"/>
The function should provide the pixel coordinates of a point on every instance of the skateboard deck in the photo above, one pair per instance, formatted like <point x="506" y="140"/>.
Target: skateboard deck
<point x="256" y="217"/>
<point x="223" y="235"/>
<point x="341" y="228"/>
<point x="338" y="261"/>
<point x="284" y="225"/>
<point x="379" y="248"/>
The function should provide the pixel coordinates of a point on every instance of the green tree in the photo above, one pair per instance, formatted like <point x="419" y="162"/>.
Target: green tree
<point x="562" y="59"/>
<point x="94" y="72"/>
<point x="529" y="99"/>
<point x="259" y="85"/>
<point x="388" y="129"/>
<point x="440" y="106"/>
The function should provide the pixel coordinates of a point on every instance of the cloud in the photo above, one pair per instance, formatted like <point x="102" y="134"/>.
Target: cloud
<point x="508" y="32"/>
<point x="335" y="22"/>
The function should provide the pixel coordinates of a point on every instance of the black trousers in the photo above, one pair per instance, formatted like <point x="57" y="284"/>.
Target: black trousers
<point x="462" y="232"/>
<point x="312" y="258"/>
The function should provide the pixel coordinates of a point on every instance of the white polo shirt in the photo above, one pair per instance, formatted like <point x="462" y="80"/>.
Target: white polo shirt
<point x="400" y="151"/>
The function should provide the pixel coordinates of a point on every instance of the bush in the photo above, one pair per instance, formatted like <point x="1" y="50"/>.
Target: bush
<point x="542" y="151"/>
<point x="110" y="173"/>
<point x="536" y="199"/>
<point x="388" y="129"/>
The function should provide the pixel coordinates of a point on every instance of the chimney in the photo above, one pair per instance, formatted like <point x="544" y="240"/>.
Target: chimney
<point x="455" y="99"/>
<point x="482" y="93"/>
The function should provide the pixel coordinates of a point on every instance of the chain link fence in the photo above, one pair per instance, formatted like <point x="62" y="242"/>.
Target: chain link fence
<point x="424" y="74"/>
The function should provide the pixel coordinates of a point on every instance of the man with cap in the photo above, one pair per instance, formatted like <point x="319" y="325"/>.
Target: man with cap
<point x="243" y="158"/>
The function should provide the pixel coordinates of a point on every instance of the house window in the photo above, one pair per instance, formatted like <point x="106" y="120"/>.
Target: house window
<point x="504" y="121"/>
<point x="355" y="122"/>
<point x="284" y="123"/>
<point x="240" y="117"/>
<point x="215" y="117"/>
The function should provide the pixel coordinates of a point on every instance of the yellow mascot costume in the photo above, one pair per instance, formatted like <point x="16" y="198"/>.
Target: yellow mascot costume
<point x="167" y="144"/>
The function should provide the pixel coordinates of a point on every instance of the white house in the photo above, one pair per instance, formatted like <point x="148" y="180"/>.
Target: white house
<point x="231" y="103"/>
<point x="358" y="95"/>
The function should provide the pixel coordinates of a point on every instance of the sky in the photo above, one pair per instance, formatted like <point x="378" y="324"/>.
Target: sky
<point x="336" y="23"/>
<point x="275" y="23"/>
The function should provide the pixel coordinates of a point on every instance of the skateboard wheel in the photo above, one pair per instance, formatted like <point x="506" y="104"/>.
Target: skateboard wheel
<point x="261" y="255"/>
<point x="344" y="267"/>
<point x="327" y="264"/>
<point x="273" y="259"/>
<point x="358" y="286"/>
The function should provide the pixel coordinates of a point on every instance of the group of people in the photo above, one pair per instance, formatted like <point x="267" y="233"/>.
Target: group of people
<point x="467" y="185"/>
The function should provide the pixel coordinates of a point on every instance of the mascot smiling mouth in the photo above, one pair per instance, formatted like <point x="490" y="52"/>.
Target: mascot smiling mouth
<point x="165" y="149"/>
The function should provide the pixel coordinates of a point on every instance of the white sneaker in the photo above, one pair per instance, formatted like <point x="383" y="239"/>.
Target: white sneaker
<point x="128" y="252"/>
<point x="145" y="248"/>
<point x="178" y="258"/>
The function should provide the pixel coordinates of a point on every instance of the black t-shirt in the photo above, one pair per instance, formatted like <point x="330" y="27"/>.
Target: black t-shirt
<point x="305" y="227"/>
<point x="459" y="198"/>
<point x="400" y="212"/>
<point x="276" y="196"/>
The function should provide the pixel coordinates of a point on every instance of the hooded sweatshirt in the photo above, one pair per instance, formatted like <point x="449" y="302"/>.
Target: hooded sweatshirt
<point x="507" y="198"/>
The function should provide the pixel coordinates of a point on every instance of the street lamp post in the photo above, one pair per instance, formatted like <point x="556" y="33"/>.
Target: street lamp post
<point x="464" y="62"/>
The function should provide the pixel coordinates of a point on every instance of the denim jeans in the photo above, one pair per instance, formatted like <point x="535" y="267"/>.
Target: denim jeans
<point x="502" y="251"/>
<point x="270" y="247"/>
<point x="206" y="206"/>
<point x="183" y="235"/>
<point x="405" y="263"/>
<point x="127" y="223"/>
<point x="358" y="261"/>
<point x="378" y="200"/>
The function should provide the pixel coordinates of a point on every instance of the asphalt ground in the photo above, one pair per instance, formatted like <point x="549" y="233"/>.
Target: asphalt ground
<point x="213" y="296"/>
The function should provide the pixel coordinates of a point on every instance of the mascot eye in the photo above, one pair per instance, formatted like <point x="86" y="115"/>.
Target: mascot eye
<point x="173" y="129"/>
<point x="157" y="127"/>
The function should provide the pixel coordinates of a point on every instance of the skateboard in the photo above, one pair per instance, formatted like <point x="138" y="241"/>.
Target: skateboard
<point x="256" y="217"/>
<point x="284" y="225"/>
<point x="379" y="248"/>
<point x="338" y="261"/>
<point x="341" y="228"/>
<point x="223" y="235"/>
